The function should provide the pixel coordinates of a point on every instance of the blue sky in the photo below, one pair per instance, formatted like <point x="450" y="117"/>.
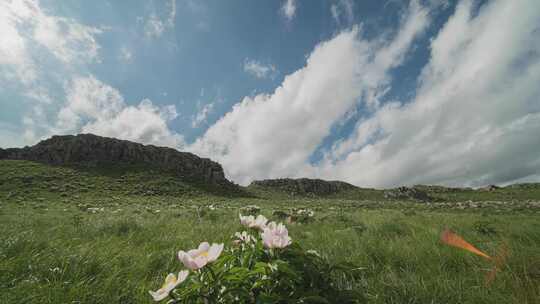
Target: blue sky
<point x="377" y="93"/>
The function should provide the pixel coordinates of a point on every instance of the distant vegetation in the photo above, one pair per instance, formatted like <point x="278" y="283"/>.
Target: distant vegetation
<point x="109" y="234"/>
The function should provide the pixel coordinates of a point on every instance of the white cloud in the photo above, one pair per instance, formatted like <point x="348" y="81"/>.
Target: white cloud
<point x="474" y="120"/>
<point x="202" y="116"/>
<point x="273" y="135"/>
<point x="94" y="107"/>
<point x="24" y="27"/>
<point x="155" y="25"/>
<point x="30" y="36"/>
<point x="475" y="117"/>
<point x="126" y="54"/>
<point x="343" y="9"/>
<point x="259" y="69"/>
<point x="288" y="9"/>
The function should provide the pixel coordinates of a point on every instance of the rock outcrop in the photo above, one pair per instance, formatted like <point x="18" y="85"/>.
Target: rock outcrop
<point x="407" y="193"/>
<point x="490" y="188"/>
<point x="93" y="149"/>
<point x="304" y="186"/>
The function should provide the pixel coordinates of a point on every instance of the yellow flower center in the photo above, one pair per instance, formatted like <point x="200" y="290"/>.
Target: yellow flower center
<point x="169" y="280"/>
<point x="204" y="254"/>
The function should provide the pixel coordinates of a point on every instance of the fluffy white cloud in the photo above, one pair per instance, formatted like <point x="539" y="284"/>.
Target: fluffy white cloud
<point x="30" y="36"/>
<point x="94" y="107"/>
<point x="258" y="69"/>
<point x="25" y="30"/>
<point x="288" y="9"/>
<point x="274" y="135"/>
<point x="474" y="120"/>
<point x="475" y="117"/>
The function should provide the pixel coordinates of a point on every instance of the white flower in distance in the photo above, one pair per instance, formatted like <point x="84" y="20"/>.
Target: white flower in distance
<point x="244" y="237"/>
<point x="198" y="258"/>
<point x="252" y="222"/>
<point x="171" y="281"/>
<point x="246" y="220"/>
<point x="276" y="236"/>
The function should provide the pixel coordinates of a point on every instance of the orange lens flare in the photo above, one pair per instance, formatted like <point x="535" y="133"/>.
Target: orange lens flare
<point x="450" y="238"/>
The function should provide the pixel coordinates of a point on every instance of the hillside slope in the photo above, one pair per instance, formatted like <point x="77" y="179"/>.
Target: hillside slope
<point x="93" y="150"/>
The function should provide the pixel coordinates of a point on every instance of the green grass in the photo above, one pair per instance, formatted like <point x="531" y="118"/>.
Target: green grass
<point x="54" y="248"/>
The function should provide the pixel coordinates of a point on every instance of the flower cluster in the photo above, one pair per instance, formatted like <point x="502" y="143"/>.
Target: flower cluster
<point x="272" y="236"/>
<point x="305" y="212"/>
<point x="262" y="266"/>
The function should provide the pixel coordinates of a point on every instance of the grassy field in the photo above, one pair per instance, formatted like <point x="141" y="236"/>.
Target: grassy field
<point x="83" y="235"/>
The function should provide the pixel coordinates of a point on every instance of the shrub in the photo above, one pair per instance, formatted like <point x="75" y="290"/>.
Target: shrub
<point x="250" y="210"/>
<point x="484" y="227"/>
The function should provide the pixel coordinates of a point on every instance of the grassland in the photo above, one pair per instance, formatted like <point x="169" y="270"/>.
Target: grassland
<point x="95" y="235"/>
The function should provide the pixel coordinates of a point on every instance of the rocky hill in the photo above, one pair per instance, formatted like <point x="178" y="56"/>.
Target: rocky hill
<point x="303" y="186"/>
<point x="95" y="150"/>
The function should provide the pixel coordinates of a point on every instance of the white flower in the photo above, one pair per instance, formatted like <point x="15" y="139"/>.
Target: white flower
<point x="246" y="220"/>
<point x="198" y="258"/>
<point x="260" y="222"/>
<point x="276" y="236"/>
<point x="244" y="237"/>
<point x="171" y="281"/>
<point x="251" y="222"/>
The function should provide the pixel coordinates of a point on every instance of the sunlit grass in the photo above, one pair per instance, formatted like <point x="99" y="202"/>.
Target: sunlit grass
<point x="54" y="249"/>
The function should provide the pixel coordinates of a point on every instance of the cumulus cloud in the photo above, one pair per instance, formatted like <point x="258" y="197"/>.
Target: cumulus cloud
<point x="474" y="120"/>
<point x="94" y="107"/>
<point x="475" y="115"/>
<point x="288" y="9"/>
<point x="258" y="69"/>
<point x="26" y="30"/>
<point x="273" y="135"/>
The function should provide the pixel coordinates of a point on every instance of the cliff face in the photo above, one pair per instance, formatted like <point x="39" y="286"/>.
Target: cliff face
<point x="304" y="186"/>
<point x="89" y="148"/>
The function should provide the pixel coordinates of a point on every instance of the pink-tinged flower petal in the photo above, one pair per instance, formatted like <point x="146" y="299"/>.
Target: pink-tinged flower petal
<point x="194" y="253"/>
<point x="158" y="295"/>
<point x="214" y="252"/>
<point x="204" y="246"/>
<point x="187" y="260"/>
<point x="171" y="281"/>
<point x="200" y="261"/>
<point x="182" y="276"/>
<point x="276" y="236"/>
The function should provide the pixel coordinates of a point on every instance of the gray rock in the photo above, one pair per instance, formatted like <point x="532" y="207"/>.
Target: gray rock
<point x="93" y="150"/>
<point x="304" y="186"/>
<point x="407" y="193"/>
